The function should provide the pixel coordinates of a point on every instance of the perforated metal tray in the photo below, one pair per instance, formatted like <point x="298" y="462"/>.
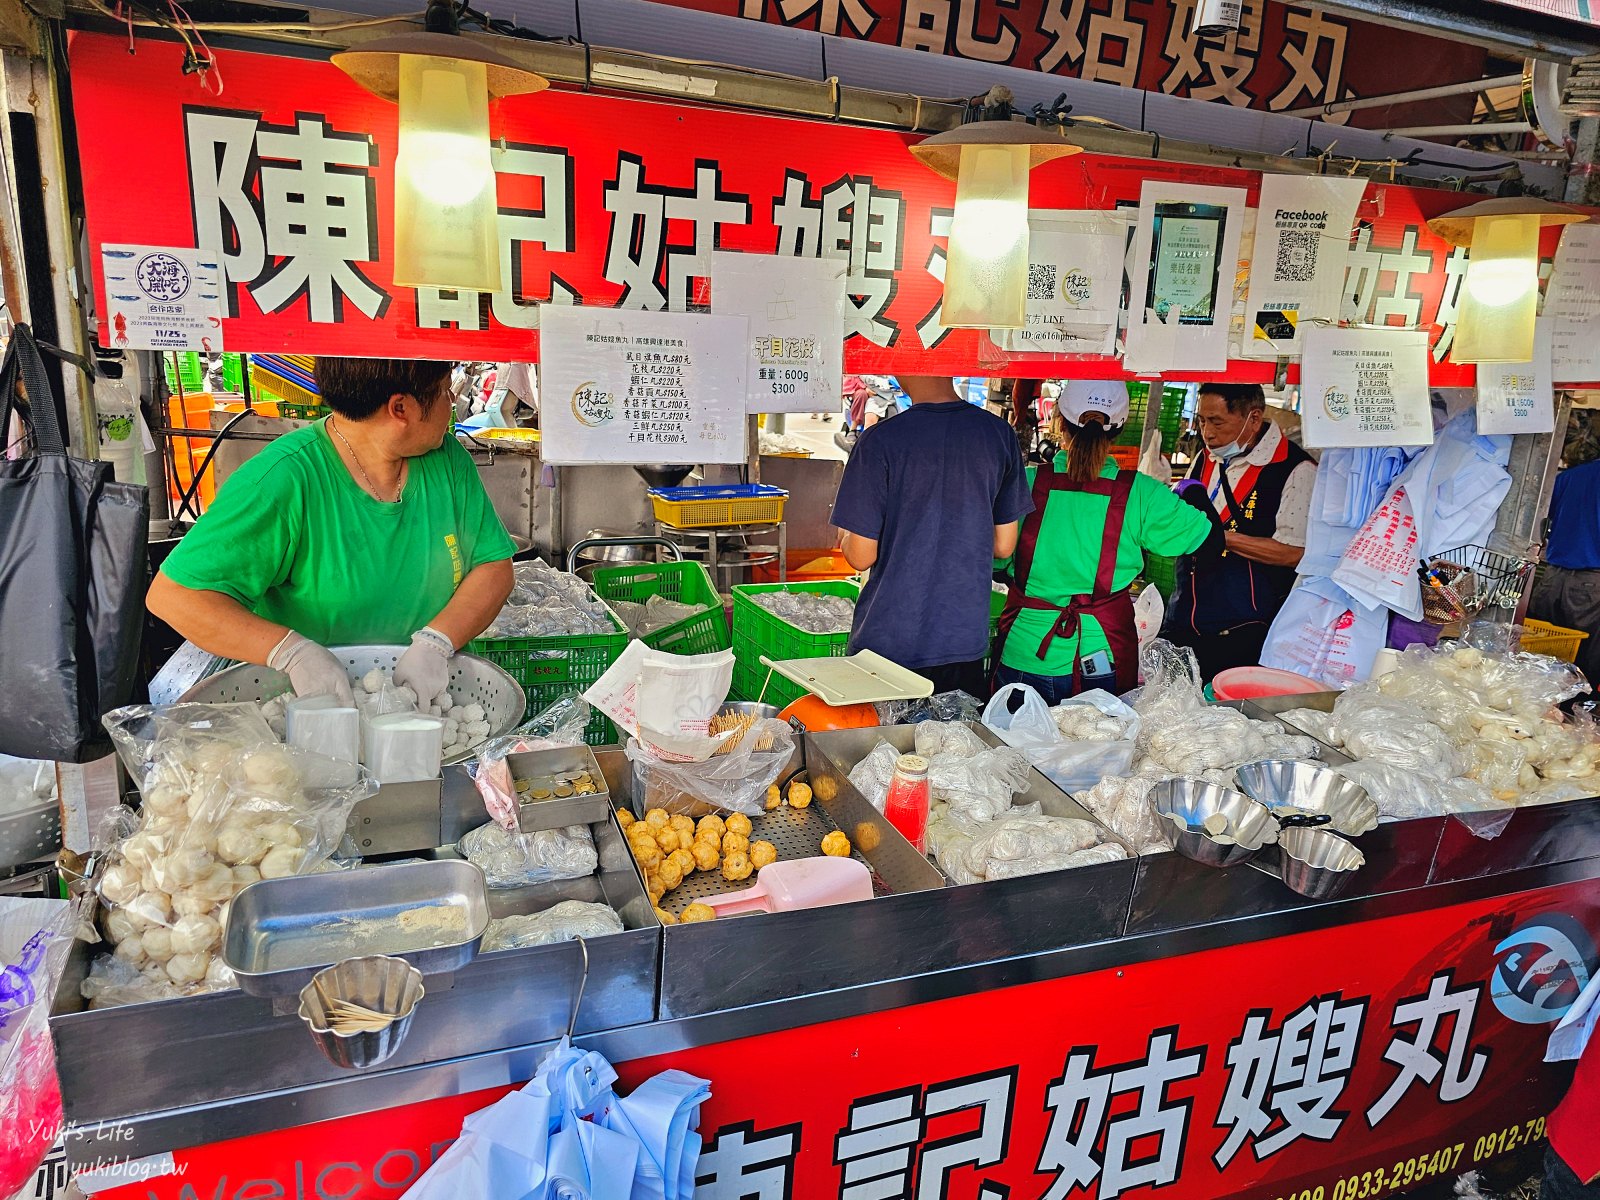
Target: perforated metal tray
<point x="477" y="680"/>
<point x="29" y="835"/>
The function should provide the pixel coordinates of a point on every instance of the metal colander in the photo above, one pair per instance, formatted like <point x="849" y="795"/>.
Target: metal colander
<point x="472" y="681"/>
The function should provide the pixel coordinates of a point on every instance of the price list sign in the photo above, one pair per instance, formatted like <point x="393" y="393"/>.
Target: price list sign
<point x="640" y="387"/>
<point x="1365" y="387"/>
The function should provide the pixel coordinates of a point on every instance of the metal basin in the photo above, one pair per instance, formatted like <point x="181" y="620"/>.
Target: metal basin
<point x="1292" y="789"/>
<point x="1185" y="805"/>
<point x="1317" y="864"/>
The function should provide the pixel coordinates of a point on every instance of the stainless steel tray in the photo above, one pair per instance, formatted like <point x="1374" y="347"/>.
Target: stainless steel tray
<point x="29" y="835"/>
<point x="557" y="812"/>
<point x="281" y="932"/>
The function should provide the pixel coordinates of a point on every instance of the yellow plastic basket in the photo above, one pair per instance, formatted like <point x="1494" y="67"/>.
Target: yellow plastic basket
<point x="711" y="507"/>
<point x="1541" y="637"/>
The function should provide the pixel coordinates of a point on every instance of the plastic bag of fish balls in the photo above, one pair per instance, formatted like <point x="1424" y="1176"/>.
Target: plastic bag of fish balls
<point x="215" y="817"/>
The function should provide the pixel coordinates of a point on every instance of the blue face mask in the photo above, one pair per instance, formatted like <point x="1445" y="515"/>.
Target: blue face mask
<point x="1240" y="445"/>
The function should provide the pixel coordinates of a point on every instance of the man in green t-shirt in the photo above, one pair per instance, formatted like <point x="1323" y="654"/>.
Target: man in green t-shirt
<point x="368" y="526"/>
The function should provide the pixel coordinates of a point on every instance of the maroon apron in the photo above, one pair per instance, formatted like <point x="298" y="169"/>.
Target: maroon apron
<point x="1113" y="609"/>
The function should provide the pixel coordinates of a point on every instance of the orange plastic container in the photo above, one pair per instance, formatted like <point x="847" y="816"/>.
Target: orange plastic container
<point x="807" y="566"/>
<point x="190" y="411"/>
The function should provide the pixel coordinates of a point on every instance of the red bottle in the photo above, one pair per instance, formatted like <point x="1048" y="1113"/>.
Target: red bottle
<point x="908" y="800"/>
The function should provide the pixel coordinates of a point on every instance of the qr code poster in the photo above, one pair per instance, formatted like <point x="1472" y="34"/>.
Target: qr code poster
<point x="1303" y="227"/>
<point x="1074" y="284"/>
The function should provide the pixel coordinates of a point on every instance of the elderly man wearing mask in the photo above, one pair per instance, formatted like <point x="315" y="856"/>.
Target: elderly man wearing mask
<point x="1259" y="483"/>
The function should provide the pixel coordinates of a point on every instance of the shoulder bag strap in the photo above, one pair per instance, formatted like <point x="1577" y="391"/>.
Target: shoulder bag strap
<point x="23" y="364"/>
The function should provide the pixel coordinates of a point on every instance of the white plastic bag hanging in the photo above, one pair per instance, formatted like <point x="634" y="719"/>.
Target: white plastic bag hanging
<point x="1320" y="632"/>
<point x="1025" y="723"/>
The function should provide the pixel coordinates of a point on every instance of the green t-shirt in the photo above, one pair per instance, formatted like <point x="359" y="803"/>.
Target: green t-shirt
<point x="1068" y="553"/>
<point x="294" y="539"/>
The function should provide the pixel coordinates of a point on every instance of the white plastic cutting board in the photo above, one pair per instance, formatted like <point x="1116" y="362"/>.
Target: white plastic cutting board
<point x="864" y="678"/>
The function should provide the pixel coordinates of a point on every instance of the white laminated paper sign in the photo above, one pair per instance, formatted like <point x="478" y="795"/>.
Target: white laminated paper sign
<point x="162" y="298"/>
<point x="1302" y="245"/>
<point x="1181" y="280"/>
<point x="624" y="386"/>
<point x="1365" y="387"/>
<point x="1075" y="265"/>
<point x="1572" y="306"/>
<point x="1519" y="397"/>
<point x="796" y="309"/>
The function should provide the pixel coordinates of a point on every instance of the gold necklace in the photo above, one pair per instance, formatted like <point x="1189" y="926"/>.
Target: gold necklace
<point x="356" y="458"/>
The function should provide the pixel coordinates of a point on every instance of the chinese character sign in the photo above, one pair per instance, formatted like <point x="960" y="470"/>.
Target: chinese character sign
<point x="1366" y="387"/>
<point x="795" y="307"/>
<point x="1519" y="397"/>
<point x="287" y="184"/>
<point x="162" y="298"/>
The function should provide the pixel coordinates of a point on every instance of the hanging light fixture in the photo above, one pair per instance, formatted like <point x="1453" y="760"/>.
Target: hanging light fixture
<point x="444" y="189"/>
<point x="1500" y="296"/>
<point x="986" y="261"/>
<point x="1218" y="18"/>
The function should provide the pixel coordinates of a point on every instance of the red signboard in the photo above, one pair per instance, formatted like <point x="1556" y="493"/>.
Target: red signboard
<point x="1284" y="56"/>
<point x="1340" y="1064"/>
<point x="289" y="177"/>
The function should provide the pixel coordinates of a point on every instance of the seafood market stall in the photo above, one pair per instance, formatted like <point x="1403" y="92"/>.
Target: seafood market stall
<point x="1143" y="1019"/>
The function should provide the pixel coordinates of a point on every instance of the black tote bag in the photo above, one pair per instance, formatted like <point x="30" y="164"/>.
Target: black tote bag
<point x="72" y="578"/>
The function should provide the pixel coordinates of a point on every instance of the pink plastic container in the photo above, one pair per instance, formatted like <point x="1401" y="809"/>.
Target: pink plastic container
<point x="1251" y="683"/>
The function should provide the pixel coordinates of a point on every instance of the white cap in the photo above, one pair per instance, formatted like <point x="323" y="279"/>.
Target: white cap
<point x="1084" y="396"/>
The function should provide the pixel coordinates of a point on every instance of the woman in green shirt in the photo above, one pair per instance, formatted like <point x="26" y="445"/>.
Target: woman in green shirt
<point x="1068" y="624"/>
<point x="370" y="525"/>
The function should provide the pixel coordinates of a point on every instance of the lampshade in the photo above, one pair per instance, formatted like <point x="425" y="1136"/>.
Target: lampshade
<point x="986" y="267"/>
<point x="1500" y="295"/>
<point x="445" y="211"/>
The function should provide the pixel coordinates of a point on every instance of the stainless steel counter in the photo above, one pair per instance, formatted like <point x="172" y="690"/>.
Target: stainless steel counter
<point x="187" y="1072"/>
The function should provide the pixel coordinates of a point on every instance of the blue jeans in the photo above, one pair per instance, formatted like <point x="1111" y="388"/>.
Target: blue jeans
<point x="1054" y="688"/>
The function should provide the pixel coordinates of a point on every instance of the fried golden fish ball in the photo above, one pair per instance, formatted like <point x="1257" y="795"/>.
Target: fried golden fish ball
<point x="670" y="875"/>
<point x="738" y="823"/>
<point x="774" y="797"/>
<point x="836" y="845"/>
<point x="707" y="855"/>
<point x="685" y="861"/>
<point x="734" y="842"/>
<point x="762" y="854"/>
<point x="665" y="917"/>
<point x="867" y="836"/>
<point x="736" y="866"/>
<point x="827" y="788"/>
<point x="657" y="818"/>
<point x="697" y="912"/>
<point x="648" y="857"/>
<point x="799" y="795"/>
<point x="713" y="824"/>
<point x="684" y="825"/>
<point x="668" y="840"/>
<point x="624" y="817"/>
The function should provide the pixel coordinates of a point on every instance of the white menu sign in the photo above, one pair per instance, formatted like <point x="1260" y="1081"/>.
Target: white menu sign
<point x="795" y="307"/>
<point x="623" y="386"/>
<point x="1075" y="265"/>
<point x="1365" y="387"/>
<point x="1572" y="306"/>
<point x="162" y="298"/>
<point x="1297" y="268"/>
<point x="1519" y="397"/>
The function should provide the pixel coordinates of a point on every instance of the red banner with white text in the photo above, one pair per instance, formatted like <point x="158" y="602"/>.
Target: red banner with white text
<point x="1341" y="1064"/>
<point x="288" y="177"/>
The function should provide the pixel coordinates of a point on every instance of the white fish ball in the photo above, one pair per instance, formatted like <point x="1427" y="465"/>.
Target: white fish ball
<point x="158" y="943"/>
<point x="239" y="843"/>
<point x="120" y="884"/>
<point x="280" y="861"/>
<point x="195" y="935"/>
<point x="188" y="968"/>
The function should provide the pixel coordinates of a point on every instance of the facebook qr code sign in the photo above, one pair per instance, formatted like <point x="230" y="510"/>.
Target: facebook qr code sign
<point x="1042" y="281"/>
<point x="1297" y="255"/>
<point x="162" y="277"/>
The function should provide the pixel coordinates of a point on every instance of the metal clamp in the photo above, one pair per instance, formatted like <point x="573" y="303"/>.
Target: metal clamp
<point x="572" y="555"/>
<point x="583" y="982"/>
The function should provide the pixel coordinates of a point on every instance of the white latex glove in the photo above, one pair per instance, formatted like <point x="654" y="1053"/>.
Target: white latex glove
<point x="311" y="669"/>
<point x="425" y="667"/>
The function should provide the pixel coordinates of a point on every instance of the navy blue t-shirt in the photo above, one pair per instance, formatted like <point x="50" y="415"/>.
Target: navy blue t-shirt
<point x="1574" y="540"/>
<point x="930" y="485"/>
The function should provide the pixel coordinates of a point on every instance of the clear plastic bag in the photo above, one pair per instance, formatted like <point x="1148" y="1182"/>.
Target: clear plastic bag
<point x="35" y="937"/>
<point x="981" y="786"/>
<point x="1396" y="733"/>
<point x="511" y="860"/>
<point x="810" y="611"/>
<point x="948" y="739"/>
<point x="1097" y="716"/>
<point x="945" y="706"/>
<point x="545" y="602"/>
<point x="1122" y="805"/>
<point x="567" y="920"/>
<point x="1400" y="795"/>
<point x="872" y="774"/>
<point x="732" y="782"/>
<point x="1029" y="844"/>
<point x="223" y="806"/>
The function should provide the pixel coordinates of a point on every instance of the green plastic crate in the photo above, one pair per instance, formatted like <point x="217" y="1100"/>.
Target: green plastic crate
<point x="757" y="632"/>
<point x="685" y="582"/>
<point x="1162" y="573"/>
<point x="1169" y="422"/>
<point x="191" y="372"/>
<point x="548" y="667"/>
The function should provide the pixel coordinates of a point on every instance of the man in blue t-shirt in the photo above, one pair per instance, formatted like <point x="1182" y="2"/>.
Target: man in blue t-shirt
<point x="1568" y="593"/>
<point x="928" y="501"/>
